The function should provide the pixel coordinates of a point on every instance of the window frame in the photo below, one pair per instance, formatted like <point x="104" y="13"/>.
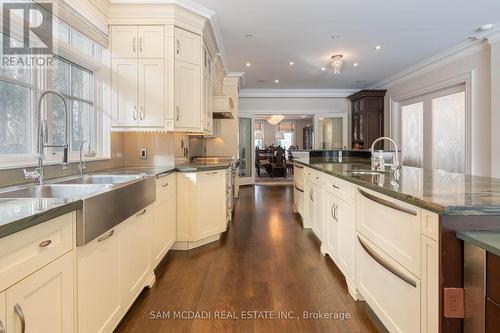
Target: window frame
<point x="41" y="80"/>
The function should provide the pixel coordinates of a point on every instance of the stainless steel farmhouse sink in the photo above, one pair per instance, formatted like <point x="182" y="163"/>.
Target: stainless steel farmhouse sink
<point x="101" y="179"/>
<point x="107" y="200"/>
<point x="52" y="191"/>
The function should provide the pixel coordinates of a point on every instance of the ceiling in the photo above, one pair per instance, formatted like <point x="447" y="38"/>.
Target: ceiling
<point x="300" y="31"/>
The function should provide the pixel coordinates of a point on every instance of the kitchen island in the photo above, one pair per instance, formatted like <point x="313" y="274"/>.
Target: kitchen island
<point x="394" y="238"/>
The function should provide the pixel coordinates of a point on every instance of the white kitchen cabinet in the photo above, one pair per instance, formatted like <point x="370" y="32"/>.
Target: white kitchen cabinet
<point x="187" y="46"/>
<point x="138" y="97"/>
<point x="99" y="301"/>
<point x="135" y="237"/>
<point x="124" y="103"/>
<point x="124" y="42"/>
<point x="151" y="43"/>
<point x="430" y="286"/>
<point x="299" y="197"/>
<point x="165" y="221"/>
<point x="201" y="207"/>
<point x="3" y="322"/>
<point x="133" y="42"/>
<point x="207" y="92"/>
<point x="43" y="301"/>
<point x="314" y="197"/>
<point x="392" y="292"/>
<point x="188" y="112"/>
<point x="151" y="93"/>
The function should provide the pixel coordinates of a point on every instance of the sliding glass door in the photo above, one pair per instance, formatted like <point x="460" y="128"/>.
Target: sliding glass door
<point x="433" y="130"/>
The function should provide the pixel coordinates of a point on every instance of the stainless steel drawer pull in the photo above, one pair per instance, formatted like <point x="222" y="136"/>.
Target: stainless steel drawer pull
<point x="336" y="187"/>
<point x="45" y="243"/>
<point x="140" y="213"/>
<point x="382" y="262"/>
<point x="211" y="173"/>
<point x="299" y="166"/>
<point x="103" y="238"/>
<point x="20" y="314"/>
<point x="165" y="185"/>
<point x="387" y="203"/>
<point x="298" y="189"/>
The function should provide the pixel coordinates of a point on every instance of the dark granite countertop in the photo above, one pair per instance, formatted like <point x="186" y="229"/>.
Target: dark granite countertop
<point x="487" y="240"/>
<point x="442" y="192"/>
<point x="20" y="214"/>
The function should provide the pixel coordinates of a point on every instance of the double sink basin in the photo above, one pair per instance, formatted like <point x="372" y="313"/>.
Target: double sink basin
<point x="107" y="199"/>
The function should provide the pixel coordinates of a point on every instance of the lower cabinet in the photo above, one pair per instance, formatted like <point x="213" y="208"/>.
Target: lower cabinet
<point x="99" y="301"/>
<point x="165" y="221"/>
<point x="112" y="271"/>
<point x="201" y="207"/>
<point x="3" y="321"/>
<point x="314" y="219"/>
<point x="43" y="301"/>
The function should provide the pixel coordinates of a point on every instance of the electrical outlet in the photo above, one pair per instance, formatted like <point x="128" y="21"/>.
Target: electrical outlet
<point x="144" y="153"/>
<point x="453" y="302"/>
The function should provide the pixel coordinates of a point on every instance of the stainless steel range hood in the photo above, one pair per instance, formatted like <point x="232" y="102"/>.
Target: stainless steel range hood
<point x="223" y="107"/>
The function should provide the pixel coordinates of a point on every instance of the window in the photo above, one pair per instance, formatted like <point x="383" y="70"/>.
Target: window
<point x="432" y="129"/>
<point x="82" y="88"/>
<point x="287" y="140"/>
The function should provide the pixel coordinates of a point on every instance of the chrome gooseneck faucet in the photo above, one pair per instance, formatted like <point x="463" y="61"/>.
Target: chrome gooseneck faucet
<point x="395" y="164"/>
<point x="42" y="137"/>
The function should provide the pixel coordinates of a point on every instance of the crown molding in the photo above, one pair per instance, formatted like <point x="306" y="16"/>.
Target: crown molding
<point x="494" y="36"/>
<point x="441" y="59"/>
<point x="297" y="93"/>
<point x="191" y="6"/>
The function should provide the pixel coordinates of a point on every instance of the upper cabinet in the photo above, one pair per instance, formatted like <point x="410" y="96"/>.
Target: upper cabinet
<point x="367" y="118"/>
<point x="187" y="46"/>
<point x="133" y="42"/>
<point x="162" y="79"/>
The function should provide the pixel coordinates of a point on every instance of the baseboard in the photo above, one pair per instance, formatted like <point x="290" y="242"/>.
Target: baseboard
<point x="187" y="245"/>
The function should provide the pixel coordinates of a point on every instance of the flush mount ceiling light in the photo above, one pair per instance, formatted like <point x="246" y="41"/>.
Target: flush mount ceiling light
<point x="275" y="119"/>
<point x="337" y="63"/>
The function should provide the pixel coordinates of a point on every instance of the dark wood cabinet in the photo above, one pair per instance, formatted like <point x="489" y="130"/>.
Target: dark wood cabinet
<point x="367" y="118"/>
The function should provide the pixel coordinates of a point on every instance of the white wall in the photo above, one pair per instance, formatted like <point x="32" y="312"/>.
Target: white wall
<point x="495" y="109"/>
<point x="293" y="105"/>
<point x="478" y="65"/>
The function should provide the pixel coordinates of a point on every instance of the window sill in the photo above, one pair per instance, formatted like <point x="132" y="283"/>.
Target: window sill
<point x="33" y="162"/>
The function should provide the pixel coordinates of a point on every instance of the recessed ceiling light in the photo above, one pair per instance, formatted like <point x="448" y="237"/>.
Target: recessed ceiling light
<point x="355" y="64"/>
<point x="249" y="36"/>
<point x="485" y="27"/>
<point x="276" y="81"/>
<point x="378" y="47"/>
<point x="248" y="64"/>
<point x="323" y="69"/>
<point x="291" y="63"/>
<point x="336" y="36"/>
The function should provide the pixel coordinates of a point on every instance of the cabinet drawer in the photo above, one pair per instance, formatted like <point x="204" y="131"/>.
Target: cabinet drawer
<point x="391" y="291"/>
<point x="341" y="188"/>
<point x="392" y="225"/>
<point x="165" y="187"/>
<point x="29" y="250"/>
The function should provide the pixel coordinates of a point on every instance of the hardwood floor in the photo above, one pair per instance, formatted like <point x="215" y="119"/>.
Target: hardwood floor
<point x="265" y="262"/>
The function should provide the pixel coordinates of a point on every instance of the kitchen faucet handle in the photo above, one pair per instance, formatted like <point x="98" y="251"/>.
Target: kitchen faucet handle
<point x="35" y="174"/>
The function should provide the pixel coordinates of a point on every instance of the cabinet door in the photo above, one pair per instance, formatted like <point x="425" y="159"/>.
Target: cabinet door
<point x="151" y="92"/>
<point x="165" y="221"/>
<point x="211" y="197"/>
<point x="187" y="96"/>
<point x="374" y="128"/>
<point x="345" y="215"/>
<point x="430" y="286"/>
<point x="151" y="41"/>
<point x="331" y="226"/>
<point x="136" y="254"/>
<point x="187" y="46"/>
<point x="3" y="321"/>
<point x="44" y="301"/>
<point x="124" y="92"/>
<point x="99" y="304"/>
<point x="124" y="42"/>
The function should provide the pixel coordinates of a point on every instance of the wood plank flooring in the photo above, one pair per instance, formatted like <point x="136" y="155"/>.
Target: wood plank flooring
<point x="265" y="262"/>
